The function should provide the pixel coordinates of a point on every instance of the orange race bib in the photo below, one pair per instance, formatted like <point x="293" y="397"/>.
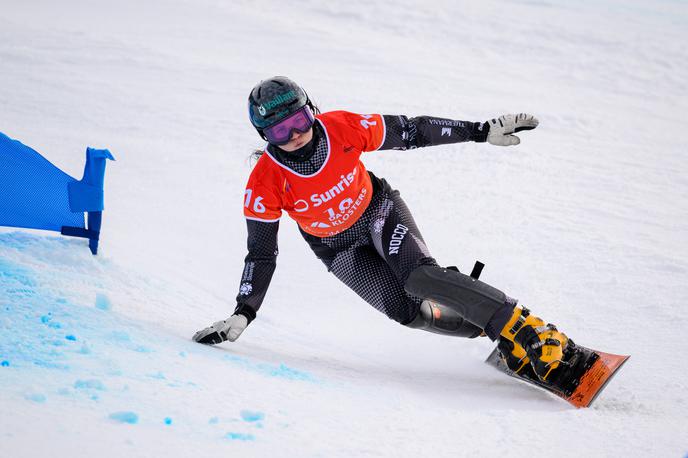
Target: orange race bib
<point x="332" y="199"/>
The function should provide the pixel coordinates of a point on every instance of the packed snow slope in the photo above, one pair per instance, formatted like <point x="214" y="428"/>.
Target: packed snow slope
<point x="585" y="222"/>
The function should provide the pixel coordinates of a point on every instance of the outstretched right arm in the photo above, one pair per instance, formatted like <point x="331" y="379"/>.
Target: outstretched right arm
<point x="262" y="209"/>
<point x="259" y="265"/>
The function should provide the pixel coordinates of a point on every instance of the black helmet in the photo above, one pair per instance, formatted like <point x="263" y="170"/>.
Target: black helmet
<point x="274" y="99"/>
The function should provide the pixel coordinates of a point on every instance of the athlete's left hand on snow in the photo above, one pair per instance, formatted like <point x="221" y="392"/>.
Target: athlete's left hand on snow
<point x="229" y="329"/>
<point x="502" y="128"/>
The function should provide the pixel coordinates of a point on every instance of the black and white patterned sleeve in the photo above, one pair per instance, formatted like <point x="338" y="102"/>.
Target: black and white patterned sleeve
<point x="409" y="133"/>
<point x="259" y="265"/>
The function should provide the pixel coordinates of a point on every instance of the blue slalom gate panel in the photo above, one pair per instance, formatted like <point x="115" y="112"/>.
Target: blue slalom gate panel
<point x="35" y="194"/>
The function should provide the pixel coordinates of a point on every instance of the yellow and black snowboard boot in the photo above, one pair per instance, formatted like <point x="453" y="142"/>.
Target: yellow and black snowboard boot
<point x="527" y="339"/>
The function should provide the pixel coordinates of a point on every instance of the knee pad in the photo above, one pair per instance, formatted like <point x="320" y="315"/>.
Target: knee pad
<point x="471" y="299"/>
<point x="440" y="319"/>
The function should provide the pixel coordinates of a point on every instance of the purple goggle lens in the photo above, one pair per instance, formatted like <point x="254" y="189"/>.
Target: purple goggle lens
<point x="300" y="121"/>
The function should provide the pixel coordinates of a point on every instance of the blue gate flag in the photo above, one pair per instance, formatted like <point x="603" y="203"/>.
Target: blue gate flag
<point x="35" y="194"/>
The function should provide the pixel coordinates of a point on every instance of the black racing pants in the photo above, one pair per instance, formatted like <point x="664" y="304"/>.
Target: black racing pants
<point x="375" y="256"/>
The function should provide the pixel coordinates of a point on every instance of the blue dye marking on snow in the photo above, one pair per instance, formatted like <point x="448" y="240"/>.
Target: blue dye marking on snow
<point x="17" y="274"/>
<point x="89" y="385"/>
<point x="29" y="303"/>
<point x="213" y="421"/>
<point x="282" y="371"/>
<point x="103" y="302"/>
<point x="125" y="417"/>
<point x="5" y="363"/>
<point x="168" y="421"/>
<point x="50" y="364"/>
<point x="85" y="350"/>
<point x="236" y="359"/>
<point x="35" y="397"/>
<point x="182" y="354"/>
<point x="250" y="416"/>
<point x="120" y="336"/>
<point x="239" y="437"/>
<point x="124" y="339"/>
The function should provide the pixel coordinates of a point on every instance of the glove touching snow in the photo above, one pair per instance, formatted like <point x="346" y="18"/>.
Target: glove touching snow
<point x="502" y="128"/>
<point x="229" y="329"/>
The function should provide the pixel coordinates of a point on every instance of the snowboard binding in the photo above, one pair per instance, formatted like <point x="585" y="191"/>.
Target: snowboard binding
<point x="528" y="345"/>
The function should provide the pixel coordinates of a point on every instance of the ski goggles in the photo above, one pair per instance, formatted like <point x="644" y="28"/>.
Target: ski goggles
<point x="300" y="121"/>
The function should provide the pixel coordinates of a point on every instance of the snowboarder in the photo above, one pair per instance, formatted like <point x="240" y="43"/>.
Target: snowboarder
<point x="362" y="230"/>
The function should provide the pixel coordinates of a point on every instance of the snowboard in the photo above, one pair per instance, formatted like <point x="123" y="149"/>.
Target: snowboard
<point x="584" y="377"/>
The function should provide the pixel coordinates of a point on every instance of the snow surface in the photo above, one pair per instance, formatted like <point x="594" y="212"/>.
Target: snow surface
<point x="586" y="222"/>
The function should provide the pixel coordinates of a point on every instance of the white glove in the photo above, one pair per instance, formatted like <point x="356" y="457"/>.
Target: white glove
<point x="502" y="128"/>
<point x="229" y="329"/>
